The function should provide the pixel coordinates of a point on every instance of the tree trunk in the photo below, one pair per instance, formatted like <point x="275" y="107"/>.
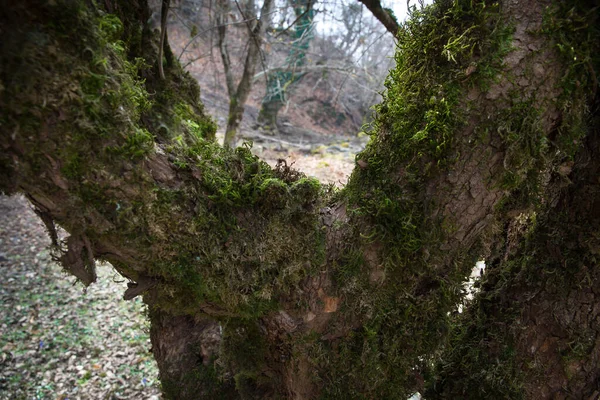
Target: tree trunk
<point x="269" y="110"/>
<point x="534" y="331"/>
<point x="264" y="284"/>
<point x="280" y="82"/>
<point x="238" y="97"/>
<point x="384" y="15"/>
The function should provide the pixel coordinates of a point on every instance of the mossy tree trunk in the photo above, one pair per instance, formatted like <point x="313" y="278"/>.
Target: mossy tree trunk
<point x="261" y="283"/>
<point x="534" y="330"/>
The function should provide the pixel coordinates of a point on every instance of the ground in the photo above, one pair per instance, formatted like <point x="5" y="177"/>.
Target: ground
<point x="58" y="341"/>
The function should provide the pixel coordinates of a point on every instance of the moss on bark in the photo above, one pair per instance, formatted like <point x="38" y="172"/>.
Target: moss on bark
<point x="346" y="295"/>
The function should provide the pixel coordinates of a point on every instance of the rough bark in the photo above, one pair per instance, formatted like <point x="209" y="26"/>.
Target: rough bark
<point x="534" y="331"/>
<point x="261" y="282"/>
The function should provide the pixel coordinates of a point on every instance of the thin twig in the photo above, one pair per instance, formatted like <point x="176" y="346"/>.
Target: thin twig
<point x="244" y="21"/>
<point x="308" y="9"/>
<point x="359" y="58"/>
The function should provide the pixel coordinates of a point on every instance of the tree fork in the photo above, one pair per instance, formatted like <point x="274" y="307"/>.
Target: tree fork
<point x="282" y="287"/>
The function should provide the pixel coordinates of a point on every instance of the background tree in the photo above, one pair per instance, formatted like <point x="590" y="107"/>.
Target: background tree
<point x="262" y="283"/>
<point x="256" y="32"/>
<point x="279" y="81"/>
<point x="343" y="69"/>
<point x="333" y="54"/>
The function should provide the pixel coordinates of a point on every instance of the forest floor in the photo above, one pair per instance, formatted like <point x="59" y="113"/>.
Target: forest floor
<point x="59" y="341"/>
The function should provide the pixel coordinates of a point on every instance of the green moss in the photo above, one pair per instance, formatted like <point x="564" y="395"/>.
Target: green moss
<point x="204" y="380"/>
<point x="198" y="127"/>
<point x="274" y="192"/>
<point x="308" y="190"/>
<point x="139" y="143"/>
<point x="245" y="353"/>
<point x="72" y="168"/>
<point x="225" y="264"/>
<point x="104" y="113"/>
<point x="574" y="27"/>
<point x="412" y="140"/>
<point x="237" y="235"/>
<point x="487" y="366"/>
<point x="483" y="357"/>
<point x="111" y="28"/>
<point x="444" y="51"/>
<point x="527" y="146"/>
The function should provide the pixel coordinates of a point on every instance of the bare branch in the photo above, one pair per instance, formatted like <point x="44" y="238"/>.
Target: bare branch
<point x="309" y="5"/>
<point x="164" y="13"/>
<point x="382" y="15"/>
<point x="196" y="36"/>
<point x="305" y="69"/>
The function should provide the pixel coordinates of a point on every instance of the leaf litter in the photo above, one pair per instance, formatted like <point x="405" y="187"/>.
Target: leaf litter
<point x="58" y="341"/>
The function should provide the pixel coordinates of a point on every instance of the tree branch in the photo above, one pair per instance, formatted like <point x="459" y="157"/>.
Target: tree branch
<point x="390" y="23"/>
<point x="304" y="69"/>
<point x="164" y="16"/>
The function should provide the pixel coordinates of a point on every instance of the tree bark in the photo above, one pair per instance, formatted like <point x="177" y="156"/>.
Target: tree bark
<point x="534" y="331"/>
<point x="264" y="284"/>
<point x="383" y="15"/>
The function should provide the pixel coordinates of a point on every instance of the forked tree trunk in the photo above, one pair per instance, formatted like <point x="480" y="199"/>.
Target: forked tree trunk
<point x="261" y="283"/>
